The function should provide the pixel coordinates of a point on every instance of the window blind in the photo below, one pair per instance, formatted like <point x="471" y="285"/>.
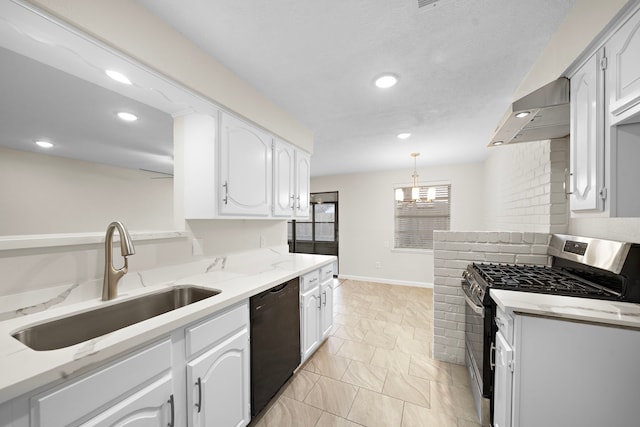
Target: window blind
<point x="415" y="221"/>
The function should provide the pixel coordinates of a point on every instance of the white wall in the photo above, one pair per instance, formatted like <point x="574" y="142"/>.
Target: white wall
<point x="366" y="224"/>
<point x="45" y="194"/>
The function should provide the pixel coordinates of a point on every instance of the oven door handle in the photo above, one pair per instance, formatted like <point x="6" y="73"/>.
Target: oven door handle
<point x="477" y="308"/>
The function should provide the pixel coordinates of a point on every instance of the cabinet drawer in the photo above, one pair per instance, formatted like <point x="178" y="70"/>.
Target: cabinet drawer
<point x="326" y="273"/>
<point x="73" y="401"/>
<point x="505" y="325"/>
<point x="309" y="280"/>
<point x="204" y="334"/>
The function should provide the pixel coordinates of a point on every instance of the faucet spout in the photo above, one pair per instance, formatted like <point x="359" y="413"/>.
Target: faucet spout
<point x="111" y="274"/>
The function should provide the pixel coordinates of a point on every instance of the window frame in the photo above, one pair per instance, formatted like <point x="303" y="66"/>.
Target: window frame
<point x="420" y="184"/>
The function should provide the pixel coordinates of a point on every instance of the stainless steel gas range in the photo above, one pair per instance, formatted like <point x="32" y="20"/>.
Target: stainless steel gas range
<point x="581" y="267"/>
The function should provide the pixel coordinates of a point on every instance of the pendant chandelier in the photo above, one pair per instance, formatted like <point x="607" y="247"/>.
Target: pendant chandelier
<point x="415" y="188"/>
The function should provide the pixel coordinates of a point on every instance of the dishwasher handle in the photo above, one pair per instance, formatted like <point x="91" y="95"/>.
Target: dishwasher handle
<point x="278" y="288"/>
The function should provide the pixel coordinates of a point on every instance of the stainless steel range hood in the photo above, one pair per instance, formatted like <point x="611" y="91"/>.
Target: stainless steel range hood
<point x="547" y="118"/>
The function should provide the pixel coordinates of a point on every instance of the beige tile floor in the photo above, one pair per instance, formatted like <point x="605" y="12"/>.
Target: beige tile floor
<point x="375" y="369"/>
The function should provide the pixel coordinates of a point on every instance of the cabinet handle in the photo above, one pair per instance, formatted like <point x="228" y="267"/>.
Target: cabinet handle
<point x="292" y="205"/>
<point x="298" y="199"/>
<point x="319" y="303"/>
<point x="567" y="174"/>
<point x="491" y="355"/>
<point x="226" y="192"/>
<point x="324" y="301"/>
<point x="199" y="404"/>
<point x="172" y="418"/>
<point x="315" y="279"/>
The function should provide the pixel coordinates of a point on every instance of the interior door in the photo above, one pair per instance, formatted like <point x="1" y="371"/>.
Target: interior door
<point x="318" y="234"/>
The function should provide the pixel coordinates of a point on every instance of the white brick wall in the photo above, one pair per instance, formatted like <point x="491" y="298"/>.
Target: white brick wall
<point x="453" y="251"/>
<point x="524" y="187"/>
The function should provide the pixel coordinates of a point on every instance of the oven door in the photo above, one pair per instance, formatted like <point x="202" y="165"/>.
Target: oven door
<point x="478" y="338"/>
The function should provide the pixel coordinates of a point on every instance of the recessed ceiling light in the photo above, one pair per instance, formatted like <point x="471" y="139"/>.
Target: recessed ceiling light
<point x="127" y="117"/>
<point x="117" y="76"/>
<point x="403" y="135"/>
<point x="523" y="114"/>
<point x="386" y="81"/>
<point x="497" y="143"/>
<point x="44" y="144"/>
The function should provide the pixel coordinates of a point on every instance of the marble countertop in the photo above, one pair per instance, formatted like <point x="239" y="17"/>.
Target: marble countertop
<point x="237" y="276"/>
<point x="583" y="309"/>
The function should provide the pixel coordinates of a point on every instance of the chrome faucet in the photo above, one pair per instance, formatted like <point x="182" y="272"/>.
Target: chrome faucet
<point x="111" y="275"/>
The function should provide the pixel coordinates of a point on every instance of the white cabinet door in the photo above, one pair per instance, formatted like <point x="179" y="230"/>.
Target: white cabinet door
<point x="292" y="175"/>
<point x="303" y="179"/>
<point x="310" y="318"/>
<point x="623" y="70"/>
<point x="587" y="145"/>
<point x="573" y="373"/>
<point x="326" y="312"/>
<point x="245" y="169"/>
<point x="503" y="385"/>
<point x="284" y="198"/>
<point x="152" y="406"/>
<point x="218" y="390"/>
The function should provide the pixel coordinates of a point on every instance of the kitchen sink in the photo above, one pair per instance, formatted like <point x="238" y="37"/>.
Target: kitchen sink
<point x="84" y="326"/>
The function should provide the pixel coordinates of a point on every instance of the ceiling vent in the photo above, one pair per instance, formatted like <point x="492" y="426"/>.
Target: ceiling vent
<point x="424" y="3"/>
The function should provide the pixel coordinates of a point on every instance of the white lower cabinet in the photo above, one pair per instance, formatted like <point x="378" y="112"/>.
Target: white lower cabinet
<point x="218" y="386"/>
<point x="113" y="395"/>
<point x="316" y="309"/>
<point x="219" y="383"/>
<point x="566" y="373"/>
<point x="196" y="376"/>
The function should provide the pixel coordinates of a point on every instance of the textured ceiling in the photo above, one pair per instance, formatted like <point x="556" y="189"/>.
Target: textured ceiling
<point x="459" y="63"/>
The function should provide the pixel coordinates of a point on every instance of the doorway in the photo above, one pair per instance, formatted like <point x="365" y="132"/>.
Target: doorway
<point x="318" y="234"/>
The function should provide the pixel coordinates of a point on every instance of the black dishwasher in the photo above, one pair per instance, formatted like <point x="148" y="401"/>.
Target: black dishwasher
<point x="275" y="340"/>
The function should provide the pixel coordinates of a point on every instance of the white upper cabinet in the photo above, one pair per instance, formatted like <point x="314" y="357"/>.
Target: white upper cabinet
<point x="623" y="72"/>
<point x="245" y="168"/>
<point x="233" y="169"/>
<point x="587" y="136"/>
<point x="291" y="178"/>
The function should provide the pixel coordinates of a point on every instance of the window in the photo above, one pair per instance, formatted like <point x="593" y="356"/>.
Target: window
<point x="415" y="220"/>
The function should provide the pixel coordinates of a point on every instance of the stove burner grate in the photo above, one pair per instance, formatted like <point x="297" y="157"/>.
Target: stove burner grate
<point x="543" y="279"/>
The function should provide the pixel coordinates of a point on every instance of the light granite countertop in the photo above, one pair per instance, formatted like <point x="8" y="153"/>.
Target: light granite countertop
<point x="612" y="313"/>
<point x="238" y="277"/>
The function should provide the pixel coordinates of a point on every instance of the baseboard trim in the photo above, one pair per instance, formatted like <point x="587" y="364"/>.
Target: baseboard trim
<point x="386" y="281"/>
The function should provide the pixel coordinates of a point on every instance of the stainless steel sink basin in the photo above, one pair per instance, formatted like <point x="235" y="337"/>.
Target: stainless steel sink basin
<point x="81" y="327"/>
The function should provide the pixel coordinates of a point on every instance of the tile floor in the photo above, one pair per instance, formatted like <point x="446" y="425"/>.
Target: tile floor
<point x="375" y="369"/>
